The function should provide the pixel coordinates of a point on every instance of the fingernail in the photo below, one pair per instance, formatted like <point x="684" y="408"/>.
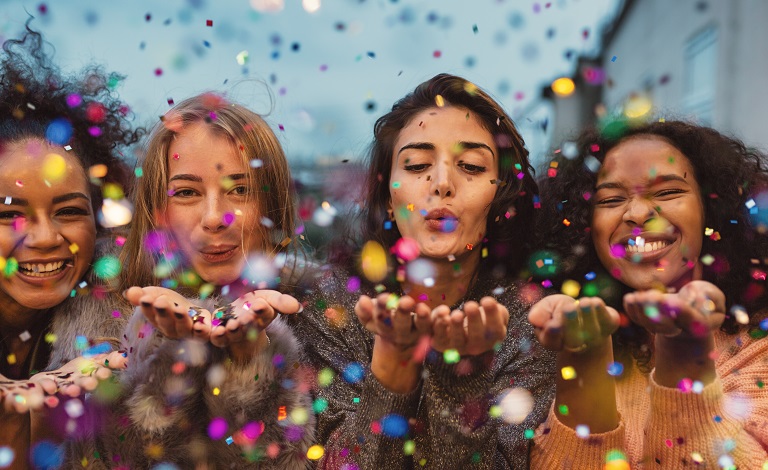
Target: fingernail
<point x="178" y="315"/>
<point x="259" y="311"/>
<point x="161" y="311"/>
<point x="146" y="304"/>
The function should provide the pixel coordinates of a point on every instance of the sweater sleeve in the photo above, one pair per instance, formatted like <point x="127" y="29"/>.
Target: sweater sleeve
<point x="265" y="404"/>
<point x="556" y="445"/>
<point x="359" y="421"/>
<point x="724" y="424"/>
<point x="458" y="399"/>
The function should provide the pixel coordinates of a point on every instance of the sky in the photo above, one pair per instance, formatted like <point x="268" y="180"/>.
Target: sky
<point x="321" y="70"/>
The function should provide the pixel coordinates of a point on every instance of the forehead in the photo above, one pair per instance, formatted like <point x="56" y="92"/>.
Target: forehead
<point x="197" y="149"/>
<point x="639" y="159"/>
<point x="449" y="123"/>
<point x="34" y="164"/>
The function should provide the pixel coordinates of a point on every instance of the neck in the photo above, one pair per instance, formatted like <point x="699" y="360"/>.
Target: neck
<point x="452" y="280"/>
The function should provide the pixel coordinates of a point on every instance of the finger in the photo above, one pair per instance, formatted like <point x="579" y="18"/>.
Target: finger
<point x="573" y="334"/>
<point x="402" y="322"/>
<point x="166" y="321"/>
<point x="551" y="336"/>
<point x="263" y="313"/>
<point x="496" y="317"/>
<point x="440" y="321"/>
<point x="608" y="318"/>
<point x="234" y="331"/>
<point x="134" y="295"/>
<point x="219" y="337"/>
<point x="201" y="324"/>
<point x="364" y="309"/>
<point x="182" y="322"/>
<point x="423" y="321"/>
<point x="48" y="385"/>
<point x="476" y="332"/>
<point x="457" y="335"/>
<point x="591" y="331"/>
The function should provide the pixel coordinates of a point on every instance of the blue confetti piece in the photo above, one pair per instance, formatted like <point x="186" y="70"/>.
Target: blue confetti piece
<point x="388" y="225"/>
<point x="59" y="131"/>
<point x="613" y="59"/>
<point x="81" y="342"/>
<point x="100" y="348"/>
<point x="615" y="369"/>
<point x="394" y="425"/>
<point x="590" y="276"/>
<point x="353" y="373"/>
<point x="230" y="441"/>
<point x="764" y="324"/>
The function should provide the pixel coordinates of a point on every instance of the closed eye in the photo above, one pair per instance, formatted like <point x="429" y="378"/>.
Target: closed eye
<point x="472" y="169"/>
<point x="670" y="192"/>
<point x="10" y="215"/>
<point x="416" y="168"/>
<point x="609" y="201"/>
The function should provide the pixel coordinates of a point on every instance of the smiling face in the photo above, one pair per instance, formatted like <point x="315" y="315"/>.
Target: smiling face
<point x="441" y="190"/>
<point x="648" y="219"/>
<point x="208" y="211"/>
<point x="43" y="223"/>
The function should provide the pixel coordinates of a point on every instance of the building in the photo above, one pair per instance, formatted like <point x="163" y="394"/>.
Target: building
<point x="702" y="60"/>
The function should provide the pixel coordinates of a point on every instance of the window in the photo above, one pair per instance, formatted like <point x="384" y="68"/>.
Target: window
<point x="701" y="75"/>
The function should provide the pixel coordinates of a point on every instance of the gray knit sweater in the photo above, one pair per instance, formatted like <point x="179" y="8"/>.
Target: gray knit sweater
<point x="448" y="414"/>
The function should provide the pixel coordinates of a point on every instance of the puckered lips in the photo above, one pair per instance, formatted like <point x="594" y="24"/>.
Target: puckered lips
<point x="218" y="253"/>
<point x="441" y="220"/>
<point x="648" y="246"/>
<point x="40" y="271"/>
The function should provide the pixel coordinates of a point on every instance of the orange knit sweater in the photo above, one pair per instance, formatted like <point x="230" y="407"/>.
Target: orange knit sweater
<point x="723" y="426"/>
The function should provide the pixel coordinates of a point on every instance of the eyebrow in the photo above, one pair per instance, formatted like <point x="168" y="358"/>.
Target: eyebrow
<point x="197" y="179"/>
<point x="428" y="146"/>
<point x="658" y="179"/>
<point x="20" y="201"/>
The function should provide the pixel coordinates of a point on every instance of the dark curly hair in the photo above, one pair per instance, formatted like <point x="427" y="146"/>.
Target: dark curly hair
<point x="34" y="93"/>
<point x="511" y="216"/>
<point x="729" y="175"/>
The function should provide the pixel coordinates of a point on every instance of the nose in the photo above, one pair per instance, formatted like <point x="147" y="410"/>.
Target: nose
<point x="442" y="180"/>
<point x="213" y="214"/>
<point x="42" y="233"/>
<point x="639" y="211"/>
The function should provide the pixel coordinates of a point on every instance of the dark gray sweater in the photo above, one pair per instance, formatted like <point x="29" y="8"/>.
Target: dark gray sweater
<point x="448" y="414"/>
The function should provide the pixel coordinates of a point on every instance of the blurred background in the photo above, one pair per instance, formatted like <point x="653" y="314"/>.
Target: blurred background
<point x="324" y="70"/>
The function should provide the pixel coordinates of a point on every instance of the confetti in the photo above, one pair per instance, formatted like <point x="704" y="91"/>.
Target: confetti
<point x="315" y="452"/>
<point x="568" y="373"/>
<point x="516" y="404"/>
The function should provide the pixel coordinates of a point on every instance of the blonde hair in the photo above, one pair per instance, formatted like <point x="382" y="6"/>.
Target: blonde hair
<point x="270" y="179"/>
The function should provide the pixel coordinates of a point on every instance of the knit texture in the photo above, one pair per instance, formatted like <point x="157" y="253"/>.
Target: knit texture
<point x="661" y="427"/>
<point x="444" y="423"/>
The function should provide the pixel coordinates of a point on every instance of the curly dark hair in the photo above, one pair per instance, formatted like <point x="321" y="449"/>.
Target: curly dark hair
<point x="729" y="175"/>
<point x="34" y="93"/>
<point x="511" y="216"/>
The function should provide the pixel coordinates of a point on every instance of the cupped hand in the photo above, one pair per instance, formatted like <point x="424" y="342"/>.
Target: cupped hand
<point x="239" y="326"/>
<point x="562" y="323"/>
<point x="398" y="321"/>
<point x="472" y="330"/>
<point x="696" y="310"/>
<point x="82" y="374"/>
<point x="170" y="313"/>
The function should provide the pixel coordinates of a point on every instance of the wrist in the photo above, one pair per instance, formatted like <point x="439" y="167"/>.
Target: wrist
<point x="393" y="366"/>
<point x="247" y="349"/>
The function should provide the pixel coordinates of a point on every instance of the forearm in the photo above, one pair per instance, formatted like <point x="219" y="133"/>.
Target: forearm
<point x="684" y="357"/>
<point x="590" y="396"/>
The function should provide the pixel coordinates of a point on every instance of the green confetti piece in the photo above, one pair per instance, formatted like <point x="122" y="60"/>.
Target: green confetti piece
<point x="451" y="356"/>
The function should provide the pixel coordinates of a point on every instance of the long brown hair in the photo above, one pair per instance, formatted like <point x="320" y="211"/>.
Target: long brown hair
<point x="509" y="228"/>
<point x="271" y="178"/>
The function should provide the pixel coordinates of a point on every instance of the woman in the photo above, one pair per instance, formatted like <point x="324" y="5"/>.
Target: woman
<point x="210" y="389"/>
<point x="58" y="146"/>
<point x="449" y="192"/>
<point x="664" y="208"/>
